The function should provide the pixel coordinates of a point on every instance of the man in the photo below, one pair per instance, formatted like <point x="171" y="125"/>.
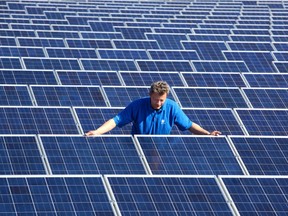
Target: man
<point x="153" y="115"/>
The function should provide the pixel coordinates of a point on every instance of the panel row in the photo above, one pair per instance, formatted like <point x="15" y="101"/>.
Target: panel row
<point x="144" y="78"/>
<point x="67" y="120"/>
<point x="143" y="154"/>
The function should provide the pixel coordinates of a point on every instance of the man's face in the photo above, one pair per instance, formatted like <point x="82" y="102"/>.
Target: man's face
<point x="157" y="100"/>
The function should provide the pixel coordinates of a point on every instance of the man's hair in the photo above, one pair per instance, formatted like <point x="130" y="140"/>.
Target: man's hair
<point x="159" y="87"/>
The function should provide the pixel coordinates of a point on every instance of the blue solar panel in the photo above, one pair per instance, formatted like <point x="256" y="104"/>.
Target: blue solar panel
<point x="164" y="65"/>
<point x="89" y="43"/>
<point x="37" y="120"/>
<point x="174" y="30"/>
<point x="88" y="78"/>
<point x="82" y="20"/>
<point x="263" y="155"/>
<point x="10" y="63"/>
<point x="51" y="63"/>
<point x="256" y="61"/>
<point x="208" y="37"/>
<point x="30" y="27"/>
<point x="7" y="41"/>
<point x="71" y="53"/>
<point x="79" y="28"/>
<point x="68" y="95"/>
<point x="267" y="97"/>
<point x="146" y="78"/>
<point x="210" y="97"/>
<point x="215" y="119"/>
<point x="251" y="38"/>
<point x="58" y="34"/>
<point x="17" y="33"/>
<point x="21" y="51"/>
<point x="275" y="80"/>
<point x="92" y="118"/>
<point x="53" y="195"/>
<point x="95" y="155"/>
<point x="27" y="77"/>
<point x="136" y="44"/>
<point x="212" y="31"/>
<point x="122" y="54"/>
<point x="20" y="155"/>
<point x="166" y="195"/>
<point x="220" y="66"/>
<point x="167" y="41"/>
<point x="173" y="54"/>
<point x="15" y="95"/>
<point x="206" y="50"/>
<point x="282" y="66"/>
<point x="213" y="79"/>
<point x="101" y="35"/>
<point x="188" y="155"/>
<point x="258" y="195"/>
<point x="250" y="46"/>
<point x="281" y="56"/>
<point x="41" y="42"/>
<point x="264" y="121"/>
<point x="109" y="65"/>
<point x="104" y="26"/>
<point x="133" y="32"/>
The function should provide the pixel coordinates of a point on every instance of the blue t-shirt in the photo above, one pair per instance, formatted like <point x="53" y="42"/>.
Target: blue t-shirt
<point x="147" y="120"/>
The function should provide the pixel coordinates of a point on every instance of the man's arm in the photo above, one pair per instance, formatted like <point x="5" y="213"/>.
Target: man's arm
<point x="106" y="127"/>
<point x="198" y="130"/>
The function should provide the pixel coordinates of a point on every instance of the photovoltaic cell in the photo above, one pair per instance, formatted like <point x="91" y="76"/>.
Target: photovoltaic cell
<point x="51" y="63"/>
<point x="88" y="78"/>
<point x="10" y="63"/>
<point x="167" y="41"/>
<point x="58" y="34"/>
<point x="37" y="120"/>
<point x="89" y="43"/>
<point x="41" y="42"/>
<point x="267" y="97"/>
<point x="51" y="195"/>
<point x="282" y="66"/>
<point x="250" y="46"/>
<point x="147" y="78"/>
<point x="161" y="65"/>
<point x="251" y="38"/>
<point x="220" y="66"/>
<point x="17" y="33"/>
<point x="213" y="79"/>
<point x="271" y="122"/>
<point x="92" y="155"/>
<point x="71" y="53"/>
<point x="263" y="155"/>
<point x="166" y="195"/>
<point x="136" y="44"/>
<point x="258" y="195"/>
<point x="68" y="95"/>
<point x="15" y="95"/>
<point x="276" y="80"/>
<point x="122" y="54"/>
<point x="173" y="55"/>
<point x="21" y="51"/>
<point x="109" y="65"/>
<point x="210" y="97"/>
<point x="281" y="56"/>
<point x="92" y="118"/>
<point x="189" y="155"/>
<point x="7" y="41"/>
<point x="101" y="35"/>
<point x="133" y="32"/>
<point x="20" y="155"/>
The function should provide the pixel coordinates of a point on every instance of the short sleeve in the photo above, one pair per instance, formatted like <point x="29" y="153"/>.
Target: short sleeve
<point x="181" y="120"/>
<point x="125" y="116"/>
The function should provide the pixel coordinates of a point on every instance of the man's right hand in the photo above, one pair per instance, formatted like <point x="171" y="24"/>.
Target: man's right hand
<point x="91" y="133"/>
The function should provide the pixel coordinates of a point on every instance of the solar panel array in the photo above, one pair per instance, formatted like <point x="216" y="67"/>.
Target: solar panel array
<point x="68" y="66"/>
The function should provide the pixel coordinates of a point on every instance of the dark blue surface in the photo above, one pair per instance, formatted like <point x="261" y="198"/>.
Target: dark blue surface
<point x="15" y="95"/>
<point x="267" y="80"/>
<point x="168" y="66"/>
<point x="220" y="66"/>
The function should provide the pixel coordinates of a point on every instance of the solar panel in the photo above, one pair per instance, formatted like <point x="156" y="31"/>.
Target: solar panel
<point x="276" y="80"/>
<point x="7" y="41"/>
<point x="27" y="77"/>
<point x="173" y="54"/>
<point x="267" y="97"/>
<point x="30" y="27"/>
<point x="53" y="194"/>
<point x="250" y="46"/>
<point x="206" y="50"/>
<point x="71" y="27"/>
<point x="257" y="38"/>
<point x="257" y="195"/>
<point x="133" y="78"/>
<point x="281" y="56"/>
<point x="101" y="35"/>
<point x="262" y="155"/>
<point x="208" y="37"/>
<point x="68" y="95"/>
<point x="271" y="122"/>
<point x="83" y="20"/>
<point x="37" y="120"/>
<point x="41" y="42"/>
<point x="20" y="155"/>
<point x="17" y="33"/>
<point x="122" y="54"/>
<point x="10" y="63"/>
<point x="213" y="79"/>
<point x="15" y="95"/>
<point x="212" y="31"/>
<point x="135" y="44"/>
<point x="220" y="66"/>
<point x="212" y="119"/>
<point x="92" y="118"/>
<point x="88" y="78"/>
<point x="282" y="66"/>
<point x="71" y="53"/>
<point x="89" y="43"/>
<point x="104" y="26"/>
<point x="21" y="51"/>
<point x="174" y="30"/>
<point x="209" y="97"/>
<point x="133" y="32"/>
<point x="168" y="195"/>
<point x="189" y="155"/>
<point x="167" y="41"/>
<point x="58" y="34"/>
<point x="164" y="65"/>
<point x="109" y="65"/>
<point x="51" y="63"/>
<point x="256" y="61"/>
<point x="92" y="155"/>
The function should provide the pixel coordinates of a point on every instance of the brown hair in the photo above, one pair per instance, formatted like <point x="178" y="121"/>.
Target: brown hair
<point x="159" y="87"/>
